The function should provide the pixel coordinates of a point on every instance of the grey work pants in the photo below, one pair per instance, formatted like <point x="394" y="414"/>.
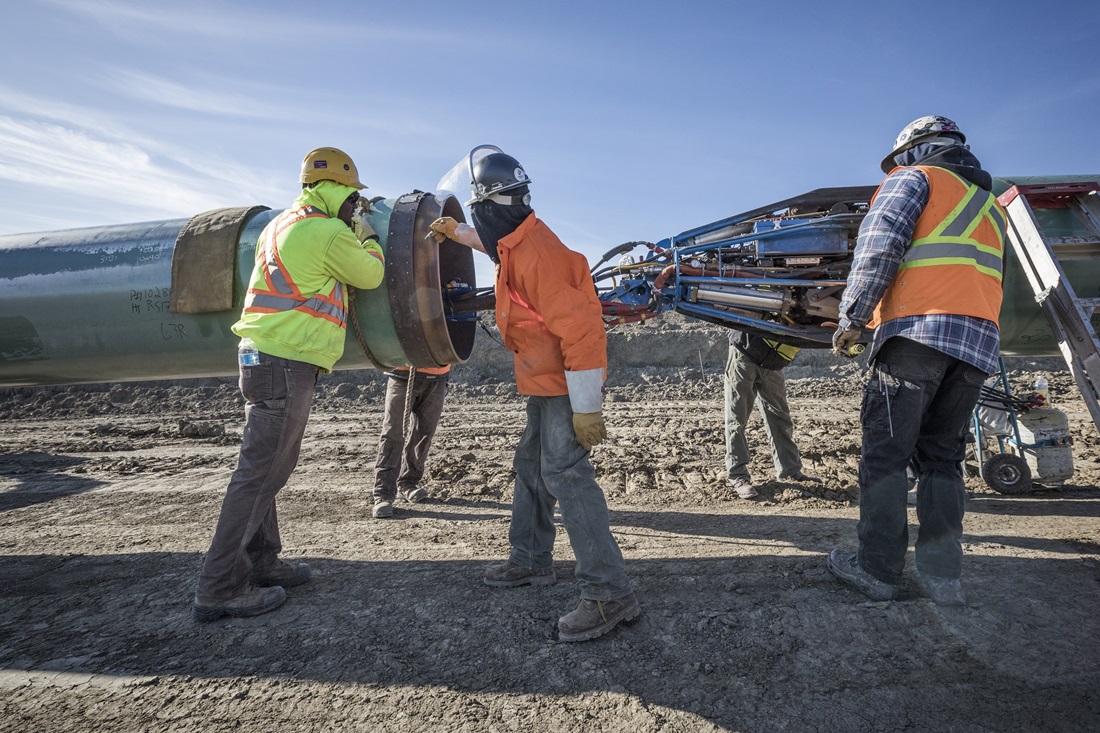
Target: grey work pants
<point x="744" y="383"/>
<point x="551" y="466"/>
<point x="278" y="396"/>
<point x="401" y="459"/>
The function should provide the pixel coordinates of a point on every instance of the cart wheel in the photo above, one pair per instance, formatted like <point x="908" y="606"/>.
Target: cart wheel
<point x="1007" y="474"/>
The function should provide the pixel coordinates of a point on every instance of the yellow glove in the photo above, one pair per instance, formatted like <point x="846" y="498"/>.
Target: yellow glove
<point x="444" y="228"/>
<point x="846" y="341"/>
<point x="590" y="429"/>
<point x="362" y="228"/>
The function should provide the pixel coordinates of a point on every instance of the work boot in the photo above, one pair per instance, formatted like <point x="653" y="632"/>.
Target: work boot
<point x="415" y="495"/>
<point x="595" y="618"/>
<point x="942" y="591"/>
<point x="845" y="566"/>
<point x="744" y="487"/>
<point x="286" y="574"/>
<point x="383" y="509"/>
<point x="251" y="601"/>
<point x="799" y="476"/>
<point x="509" y="575"/>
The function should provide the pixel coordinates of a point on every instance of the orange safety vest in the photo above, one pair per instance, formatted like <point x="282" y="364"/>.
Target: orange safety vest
<point x="954" y="262"/>
<point x="281" y="293"/>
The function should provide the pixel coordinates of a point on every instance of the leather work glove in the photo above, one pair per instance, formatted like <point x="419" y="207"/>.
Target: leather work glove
<point x="444" y="228"/>
<point x="590" y="429"/>
<point x="846" y="341"/>
<point x="362" y="228"/>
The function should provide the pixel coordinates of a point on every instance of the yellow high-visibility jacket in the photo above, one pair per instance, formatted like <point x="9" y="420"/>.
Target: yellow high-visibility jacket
<point x="296" y="305"/>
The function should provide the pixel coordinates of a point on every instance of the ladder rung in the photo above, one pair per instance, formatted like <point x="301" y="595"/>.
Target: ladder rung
<point x="1071" y="240"/>
<point x="1048" y="195"/>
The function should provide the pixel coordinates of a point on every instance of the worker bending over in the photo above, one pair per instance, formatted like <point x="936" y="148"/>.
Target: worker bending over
<point x="754" y="373"/>
<point x="296" y="314"/>
<point x="550" y="318"/>
<point x="401" y="458"/>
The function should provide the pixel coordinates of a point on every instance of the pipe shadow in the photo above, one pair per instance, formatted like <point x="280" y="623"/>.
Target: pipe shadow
<point x="44" y="480"/>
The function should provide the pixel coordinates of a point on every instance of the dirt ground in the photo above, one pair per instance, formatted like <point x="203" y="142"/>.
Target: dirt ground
<point x="109" y="494"/>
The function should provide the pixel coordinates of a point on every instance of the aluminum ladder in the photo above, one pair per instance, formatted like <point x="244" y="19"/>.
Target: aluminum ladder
<point x="1069" y="316"/>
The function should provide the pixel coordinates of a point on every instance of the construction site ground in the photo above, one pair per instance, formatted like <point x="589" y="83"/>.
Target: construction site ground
<point x="109" y="495"/>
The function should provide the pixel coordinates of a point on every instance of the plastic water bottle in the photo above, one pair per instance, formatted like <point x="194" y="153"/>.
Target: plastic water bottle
<point x="1042" y="388"/>
<point x="248" y="355"/>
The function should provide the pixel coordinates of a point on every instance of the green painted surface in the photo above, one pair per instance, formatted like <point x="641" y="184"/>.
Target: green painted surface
<point x="91" y="305"/>
<point x="372" y="307"/>
<point x="1024" y="328"/>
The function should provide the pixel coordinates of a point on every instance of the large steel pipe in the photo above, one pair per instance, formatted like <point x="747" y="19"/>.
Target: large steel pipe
<point x="97" y="304"/>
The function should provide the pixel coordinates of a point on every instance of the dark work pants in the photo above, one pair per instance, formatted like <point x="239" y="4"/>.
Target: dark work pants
<point x="917" y="405"/>
<point x="401" y="459"/>
<point x="278" y="396"/>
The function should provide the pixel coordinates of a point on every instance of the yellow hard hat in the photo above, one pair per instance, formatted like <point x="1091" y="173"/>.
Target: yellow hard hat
<point x="330" y="164"/>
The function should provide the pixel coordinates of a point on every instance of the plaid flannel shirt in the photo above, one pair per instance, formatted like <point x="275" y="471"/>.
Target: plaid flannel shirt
<point x="884" y="236"/>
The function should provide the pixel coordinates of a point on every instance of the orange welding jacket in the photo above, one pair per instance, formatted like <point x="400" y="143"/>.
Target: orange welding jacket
<point x="953" y="264"/>
<point x="547" y="310"/>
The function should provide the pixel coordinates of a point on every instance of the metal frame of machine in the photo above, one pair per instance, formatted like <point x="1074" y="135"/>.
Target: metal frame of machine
<point x="779" y="271"/>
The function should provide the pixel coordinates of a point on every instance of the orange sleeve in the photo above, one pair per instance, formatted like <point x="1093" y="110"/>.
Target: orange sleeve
<point x="560" y="289"/>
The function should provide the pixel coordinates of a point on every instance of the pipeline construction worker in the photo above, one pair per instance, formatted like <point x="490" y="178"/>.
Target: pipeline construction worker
<point x="401" y="458"/>
<point x="295" y="313"/>
<point x="754" y="373"/>
<point x="550" y="318"/>
<point x="927" y="277"/>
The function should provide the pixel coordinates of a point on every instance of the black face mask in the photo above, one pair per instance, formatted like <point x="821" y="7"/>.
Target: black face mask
<point x="495" y="221"/>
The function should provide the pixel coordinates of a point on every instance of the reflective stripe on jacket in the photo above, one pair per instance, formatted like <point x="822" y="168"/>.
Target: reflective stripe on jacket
<point x="295" y="307"/>
<point x="279" y="291"/>
<point x="954" y="262"/>
<point x="547" y="310"/>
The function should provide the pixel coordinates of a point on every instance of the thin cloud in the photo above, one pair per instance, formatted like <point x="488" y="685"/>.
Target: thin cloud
<point x="52" y="156"/>
<point x="21" y="104"/>
<point x="224" y="98"/>
<point x="126" y="174"/>
<point x="134" y="20"/>
<point x="63" y="149"/>
<point x="144" y="21"/>
<point x="205" y="98"/>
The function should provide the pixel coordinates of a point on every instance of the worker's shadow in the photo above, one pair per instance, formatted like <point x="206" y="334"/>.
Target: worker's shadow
<point x="821" y="534"/>
<point x="713" y="624"/>
<point x="807" y="533"/>
<point x="1038" y="505"/>
<point x="433" y="509"/>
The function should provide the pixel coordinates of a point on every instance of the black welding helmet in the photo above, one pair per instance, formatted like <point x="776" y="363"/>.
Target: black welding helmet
<point x="497" y="176"/>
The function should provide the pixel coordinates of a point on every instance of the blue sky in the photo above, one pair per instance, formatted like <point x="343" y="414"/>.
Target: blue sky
<point x="635" y="120"/>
